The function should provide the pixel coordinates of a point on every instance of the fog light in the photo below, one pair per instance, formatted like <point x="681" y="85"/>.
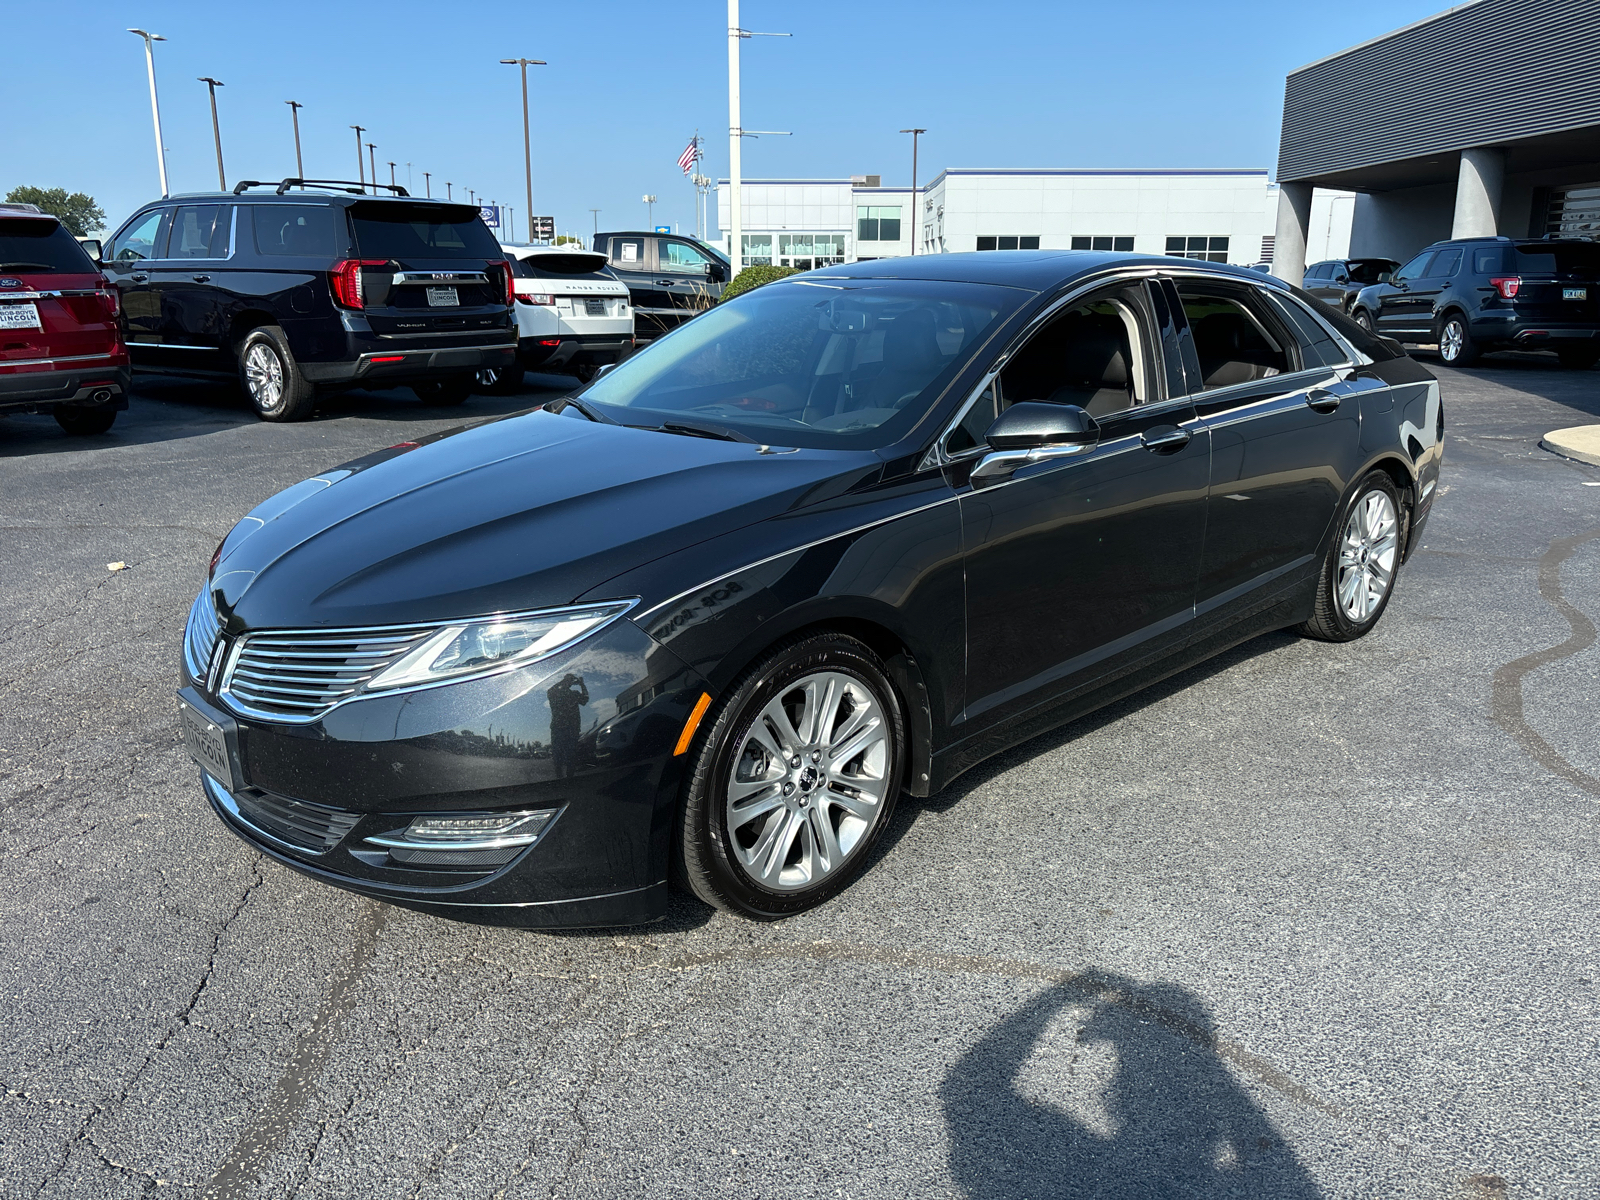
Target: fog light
<point x="482" y="840"/>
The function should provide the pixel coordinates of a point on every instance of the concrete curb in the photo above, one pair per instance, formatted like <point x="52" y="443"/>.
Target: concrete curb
<point x="1581" y="442"/>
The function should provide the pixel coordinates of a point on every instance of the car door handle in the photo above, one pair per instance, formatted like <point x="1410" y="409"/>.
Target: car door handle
<point x="665" y="282"/>
<point x="139" y="278"/>
<point x="1322" y="401"/>
<point x="1165" y="439"/>
<point x="201" y="278"/>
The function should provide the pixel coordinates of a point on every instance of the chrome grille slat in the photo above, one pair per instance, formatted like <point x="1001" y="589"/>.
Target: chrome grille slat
<point x="297" y="675"/>
<point x="200" y="634"/>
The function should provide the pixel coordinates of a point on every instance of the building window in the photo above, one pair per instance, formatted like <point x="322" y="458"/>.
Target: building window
<point x="1007" y="242"/>
<point x="1211" y="249"/>
<point x="805" y="251"/>
<point x="757" y="250"/>
<point x="1102" y="242"/>
<point x="878" y="224"/>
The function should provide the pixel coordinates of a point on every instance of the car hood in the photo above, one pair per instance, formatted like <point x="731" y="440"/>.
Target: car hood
<point x="523" y="513"/>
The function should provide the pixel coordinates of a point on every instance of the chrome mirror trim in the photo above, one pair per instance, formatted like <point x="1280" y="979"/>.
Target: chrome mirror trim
<point x="997" y="466"/>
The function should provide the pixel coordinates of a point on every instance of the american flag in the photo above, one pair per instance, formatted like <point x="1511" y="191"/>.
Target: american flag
<point x="690" y="155"/>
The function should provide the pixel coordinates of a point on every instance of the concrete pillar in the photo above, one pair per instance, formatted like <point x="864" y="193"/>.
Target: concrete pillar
<point x="1294" y="226"/>
<point x="1478" y="185"/>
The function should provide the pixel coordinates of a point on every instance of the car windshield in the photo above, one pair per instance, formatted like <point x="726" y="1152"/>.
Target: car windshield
<point x="826" y="362"/>
<point x="29" y="245"/>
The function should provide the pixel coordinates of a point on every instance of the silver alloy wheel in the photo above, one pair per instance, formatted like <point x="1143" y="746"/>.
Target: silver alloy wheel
<point x="488" y="377"/>
<point x="808" y="781"/>
<point x="263" y="372"/>
<point x="1367" y="555"/>
<point x="1451" y="339"/>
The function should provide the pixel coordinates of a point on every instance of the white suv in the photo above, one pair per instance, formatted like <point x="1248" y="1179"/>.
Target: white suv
<point x="573" y="315"/>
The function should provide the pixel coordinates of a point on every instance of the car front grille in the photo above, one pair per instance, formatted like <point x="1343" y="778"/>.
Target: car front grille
<point x="200" y="634"/>
<point x="308" y="827"/>
<point x="296" y="676"/>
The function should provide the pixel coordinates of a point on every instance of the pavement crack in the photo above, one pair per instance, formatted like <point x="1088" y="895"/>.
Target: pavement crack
<point x="1506" y="702"/>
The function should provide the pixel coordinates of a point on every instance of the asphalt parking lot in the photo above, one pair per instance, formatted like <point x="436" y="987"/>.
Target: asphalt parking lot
<point x="1310" y="920"/>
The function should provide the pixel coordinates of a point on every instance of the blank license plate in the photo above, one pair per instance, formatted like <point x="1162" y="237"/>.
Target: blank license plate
<point x="444" y="297"/>
<point x="1574" y="293"/>
<point x="20" y="316"/>
<point x="207" y="744"/>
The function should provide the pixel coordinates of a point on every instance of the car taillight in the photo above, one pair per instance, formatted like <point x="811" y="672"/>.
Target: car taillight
<point x="1508" y="286"/>
<point x="346" y="280"/>
<point x="505" y="274"/>
<point x="536" y="298"/>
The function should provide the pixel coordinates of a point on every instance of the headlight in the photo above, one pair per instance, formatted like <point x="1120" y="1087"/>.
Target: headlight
<point x="496" y="644"/>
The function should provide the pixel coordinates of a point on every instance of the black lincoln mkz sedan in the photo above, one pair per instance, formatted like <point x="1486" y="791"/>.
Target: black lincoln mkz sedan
<point x="842" y="537"/>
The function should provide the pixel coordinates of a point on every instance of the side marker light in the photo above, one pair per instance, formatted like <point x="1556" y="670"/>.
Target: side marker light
<point x="692" y="724"/>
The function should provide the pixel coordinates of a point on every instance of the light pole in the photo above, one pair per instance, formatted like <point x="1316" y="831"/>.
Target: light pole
<point x="294" y="110"/>
<point x="735" y="132"/>
<point x="596" y="213"/>
<point x="527" y="143"/>
<point x="409" y="186"/>
<point x="650" y="211"/>
<point x="472" y="197"/>
<point x="427" y="183"/>
<point x="447" y="193"/>
<point x="915" y="134"/>
<point x="392" y="181"/>
<point x="155" y="107"/>
<point x="216" y="130"/>
<point x="372" y="156"/>
<point x="361" y="167"/>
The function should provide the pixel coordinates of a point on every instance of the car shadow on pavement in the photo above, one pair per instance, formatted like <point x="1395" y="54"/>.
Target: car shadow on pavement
<point x="1106" y="1087"/>
<point x="1536" y="374"/>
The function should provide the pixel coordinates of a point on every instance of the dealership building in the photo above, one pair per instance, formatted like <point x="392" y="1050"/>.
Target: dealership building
<point x="1215" y="214"/>
<point x="1482" y="120"/>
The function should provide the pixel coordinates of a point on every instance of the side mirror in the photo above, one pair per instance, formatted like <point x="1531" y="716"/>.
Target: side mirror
<point x="715" y="273"/>
<point x="91" y="247"/>
<point x="1341" y="279"/>
<point x="1033" y="432"/>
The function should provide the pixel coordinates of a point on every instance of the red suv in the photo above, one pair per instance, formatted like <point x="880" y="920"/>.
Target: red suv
<point x="61" y="350"/>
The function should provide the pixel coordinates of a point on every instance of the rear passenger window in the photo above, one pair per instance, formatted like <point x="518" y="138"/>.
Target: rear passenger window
<point x="1316" y="347"/>
<point x="1444" y="264"/>
<point x="297" y="230"/>
<point x="628" y="253"/>
<point x="199" y="231"/>
<point x="1233" y="343"/>
<point x="1488" y="262"/>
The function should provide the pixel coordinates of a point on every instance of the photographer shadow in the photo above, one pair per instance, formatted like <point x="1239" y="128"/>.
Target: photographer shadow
<point x="1152" y="1110"/>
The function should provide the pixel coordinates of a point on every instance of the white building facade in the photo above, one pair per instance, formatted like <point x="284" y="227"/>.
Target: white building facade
<point x="1216" y="214"/>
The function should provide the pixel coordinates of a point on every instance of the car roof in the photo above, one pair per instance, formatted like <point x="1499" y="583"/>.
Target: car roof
<point x="310" y="195"/>
<point x="13" y="209"/>
<point x="1036" y="270"/>
<point x="523" y="251"/>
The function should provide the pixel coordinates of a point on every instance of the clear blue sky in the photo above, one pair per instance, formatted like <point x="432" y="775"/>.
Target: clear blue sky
<point x="1015" y="83"/>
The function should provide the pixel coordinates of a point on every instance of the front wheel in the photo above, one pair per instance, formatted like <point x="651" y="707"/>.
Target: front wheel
<point x="447" y="392"/>
<point x="795" y="780"/>
<point x="1457" y="346"/>
<point x="1357" y="576"/>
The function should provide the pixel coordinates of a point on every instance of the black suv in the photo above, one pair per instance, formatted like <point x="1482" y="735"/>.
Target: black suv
<point x="312" y="286"/>
<point x="1338" y="281"/>
<point x="670" y="278"/>
<point x="1470" y="295"/>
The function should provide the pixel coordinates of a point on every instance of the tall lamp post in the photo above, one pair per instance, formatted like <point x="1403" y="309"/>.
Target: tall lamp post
<point x="372" y="156"/>
<point x="650" y="210"/>
<point x="447" y="193"/>
<point x="361" y="166"/>
<point x="527" y="142"/>
<point x="294" y="109"/>
<point x="392" y="180"/>
<point x="737" y="131"/>
<point x="155" y="107"/>
<point x="216" y="130"/>
<point x="915" y="134"/>
<point x="596" y="213"/>
<point x="427" y="183"/>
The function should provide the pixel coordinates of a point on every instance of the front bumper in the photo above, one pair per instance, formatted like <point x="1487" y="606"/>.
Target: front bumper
<point x="41" y="391"/>
<point x="312" y="795"/>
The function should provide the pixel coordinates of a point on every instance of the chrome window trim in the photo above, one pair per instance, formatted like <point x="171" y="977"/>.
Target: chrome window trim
<point x="937" y="456"/>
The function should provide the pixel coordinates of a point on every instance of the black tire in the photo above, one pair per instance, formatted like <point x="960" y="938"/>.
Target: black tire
<point x="1331" y="619"/>
<point x="1364" y="319"/>
<point x="271" y="378"/>
<point x="707" y="850"/>
<point x="446" y="392"/>
<point x="1579" y="358"/>
<point x="84" y="422"/>
<point x="1453" y="336"/>
<point x="499" y="381"/>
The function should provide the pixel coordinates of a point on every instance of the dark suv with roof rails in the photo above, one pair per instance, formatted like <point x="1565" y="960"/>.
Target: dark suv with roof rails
<point x="313" y="286"/>
<point x="1472" y="295"/>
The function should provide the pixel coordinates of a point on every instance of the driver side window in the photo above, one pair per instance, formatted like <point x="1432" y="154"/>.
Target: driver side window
<point x="139" y="240"/>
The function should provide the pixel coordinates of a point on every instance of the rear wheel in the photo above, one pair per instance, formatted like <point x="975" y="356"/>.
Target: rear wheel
<point x="795" y="780"/>
<point x="271" y="378"/>
<point x="1579" y="358"/>
<point x="1457" y="346"/>
<point x="499" y="381"/>
<point x="444" y="393"/>
<point x="1357" y="576"/>
<point x="81" y="422"/>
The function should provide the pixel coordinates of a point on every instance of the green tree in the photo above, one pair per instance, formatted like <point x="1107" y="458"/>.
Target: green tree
<point x="754" y="277"/>
<point x="78" y="212"/>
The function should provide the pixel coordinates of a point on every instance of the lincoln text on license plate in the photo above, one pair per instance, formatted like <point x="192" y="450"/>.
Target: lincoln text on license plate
<point x="20" y="316"/>
<point x="443" y="297"/>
